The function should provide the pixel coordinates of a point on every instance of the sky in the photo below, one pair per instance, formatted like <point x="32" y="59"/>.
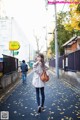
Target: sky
<point x="31" y="18"/>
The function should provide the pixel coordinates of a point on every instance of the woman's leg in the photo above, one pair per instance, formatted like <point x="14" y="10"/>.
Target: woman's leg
<point x="38" y="100"/>
<point x="43" y="96"/>
<point x="37" y="96"/>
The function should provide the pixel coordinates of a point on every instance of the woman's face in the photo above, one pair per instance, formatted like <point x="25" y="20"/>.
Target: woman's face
<point x="38" y="58"/>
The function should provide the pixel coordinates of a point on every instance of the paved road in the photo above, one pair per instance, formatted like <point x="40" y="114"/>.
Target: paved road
<point x="61" y="103"/>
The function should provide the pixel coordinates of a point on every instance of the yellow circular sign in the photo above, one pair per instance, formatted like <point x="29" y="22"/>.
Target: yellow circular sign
<point x="14" y="45"/>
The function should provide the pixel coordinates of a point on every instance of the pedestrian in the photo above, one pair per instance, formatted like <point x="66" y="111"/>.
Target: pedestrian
<point x="38" y="68"/>
<point x="24" y="70"/>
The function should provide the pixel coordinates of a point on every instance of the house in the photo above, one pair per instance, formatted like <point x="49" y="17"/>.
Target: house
<point x="72" y="45"/>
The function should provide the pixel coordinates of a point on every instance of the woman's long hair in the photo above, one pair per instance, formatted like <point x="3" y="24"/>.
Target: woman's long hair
<point x="42" y="59"/>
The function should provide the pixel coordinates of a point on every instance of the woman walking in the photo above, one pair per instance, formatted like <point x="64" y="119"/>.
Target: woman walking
<point x="38" y="68"/>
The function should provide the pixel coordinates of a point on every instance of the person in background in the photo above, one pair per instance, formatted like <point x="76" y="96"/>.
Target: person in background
<point x="38" y="68"/>
<point x="24" y="70"/>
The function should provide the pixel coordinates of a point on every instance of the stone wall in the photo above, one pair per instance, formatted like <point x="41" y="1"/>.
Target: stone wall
<point x="72" y="78"/>
<point x="7" y="80"/>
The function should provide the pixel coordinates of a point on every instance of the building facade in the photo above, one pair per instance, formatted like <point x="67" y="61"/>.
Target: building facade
<point x="72" y="45"/>
<point x="10" y="31"/>
<point x="5" y="35"/>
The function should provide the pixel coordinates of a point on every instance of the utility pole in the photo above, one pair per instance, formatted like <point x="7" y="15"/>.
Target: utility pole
<point x="56" y="41"/>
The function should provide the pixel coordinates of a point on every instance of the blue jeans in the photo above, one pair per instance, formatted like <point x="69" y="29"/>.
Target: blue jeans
<point x="38" y="91"/>
<point x="24" y="77"/>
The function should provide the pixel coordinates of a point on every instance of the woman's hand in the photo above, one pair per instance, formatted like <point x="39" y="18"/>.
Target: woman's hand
<point x="35" y="64"/>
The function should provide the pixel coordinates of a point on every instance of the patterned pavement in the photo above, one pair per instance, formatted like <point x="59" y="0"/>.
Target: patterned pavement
<point x="61" y="102"/>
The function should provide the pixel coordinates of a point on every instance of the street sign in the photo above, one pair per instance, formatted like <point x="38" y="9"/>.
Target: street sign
<point x="14" y="45"/>
<point x="16" y="52"/>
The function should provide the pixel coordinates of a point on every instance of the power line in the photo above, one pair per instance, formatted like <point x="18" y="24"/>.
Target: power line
<point x="63" y="7"/>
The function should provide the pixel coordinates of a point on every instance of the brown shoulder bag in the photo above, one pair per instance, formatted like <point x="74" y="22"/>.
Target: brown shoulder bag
<point x="44" y="77"/>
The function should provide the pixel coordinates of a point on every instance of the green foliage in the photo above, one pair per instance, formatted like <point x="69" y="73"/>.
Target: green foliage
<point x="78" y="8"/>
<point x="63" y="35"/>
<point x="52" y="46"/>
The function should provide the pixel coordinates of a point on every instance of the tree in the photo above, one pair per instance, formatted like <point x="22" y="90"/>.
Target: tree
<point x="63" y="34"/>
<point x="37" y="43"/>
<point x="37" y="38"/>
<point x="49" y="53"/>
<point x="73" y="22"/>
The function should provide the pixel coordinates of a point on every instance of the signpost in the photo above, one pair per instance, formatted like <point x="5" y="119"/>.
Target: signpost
<point x="14" y="45"/>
